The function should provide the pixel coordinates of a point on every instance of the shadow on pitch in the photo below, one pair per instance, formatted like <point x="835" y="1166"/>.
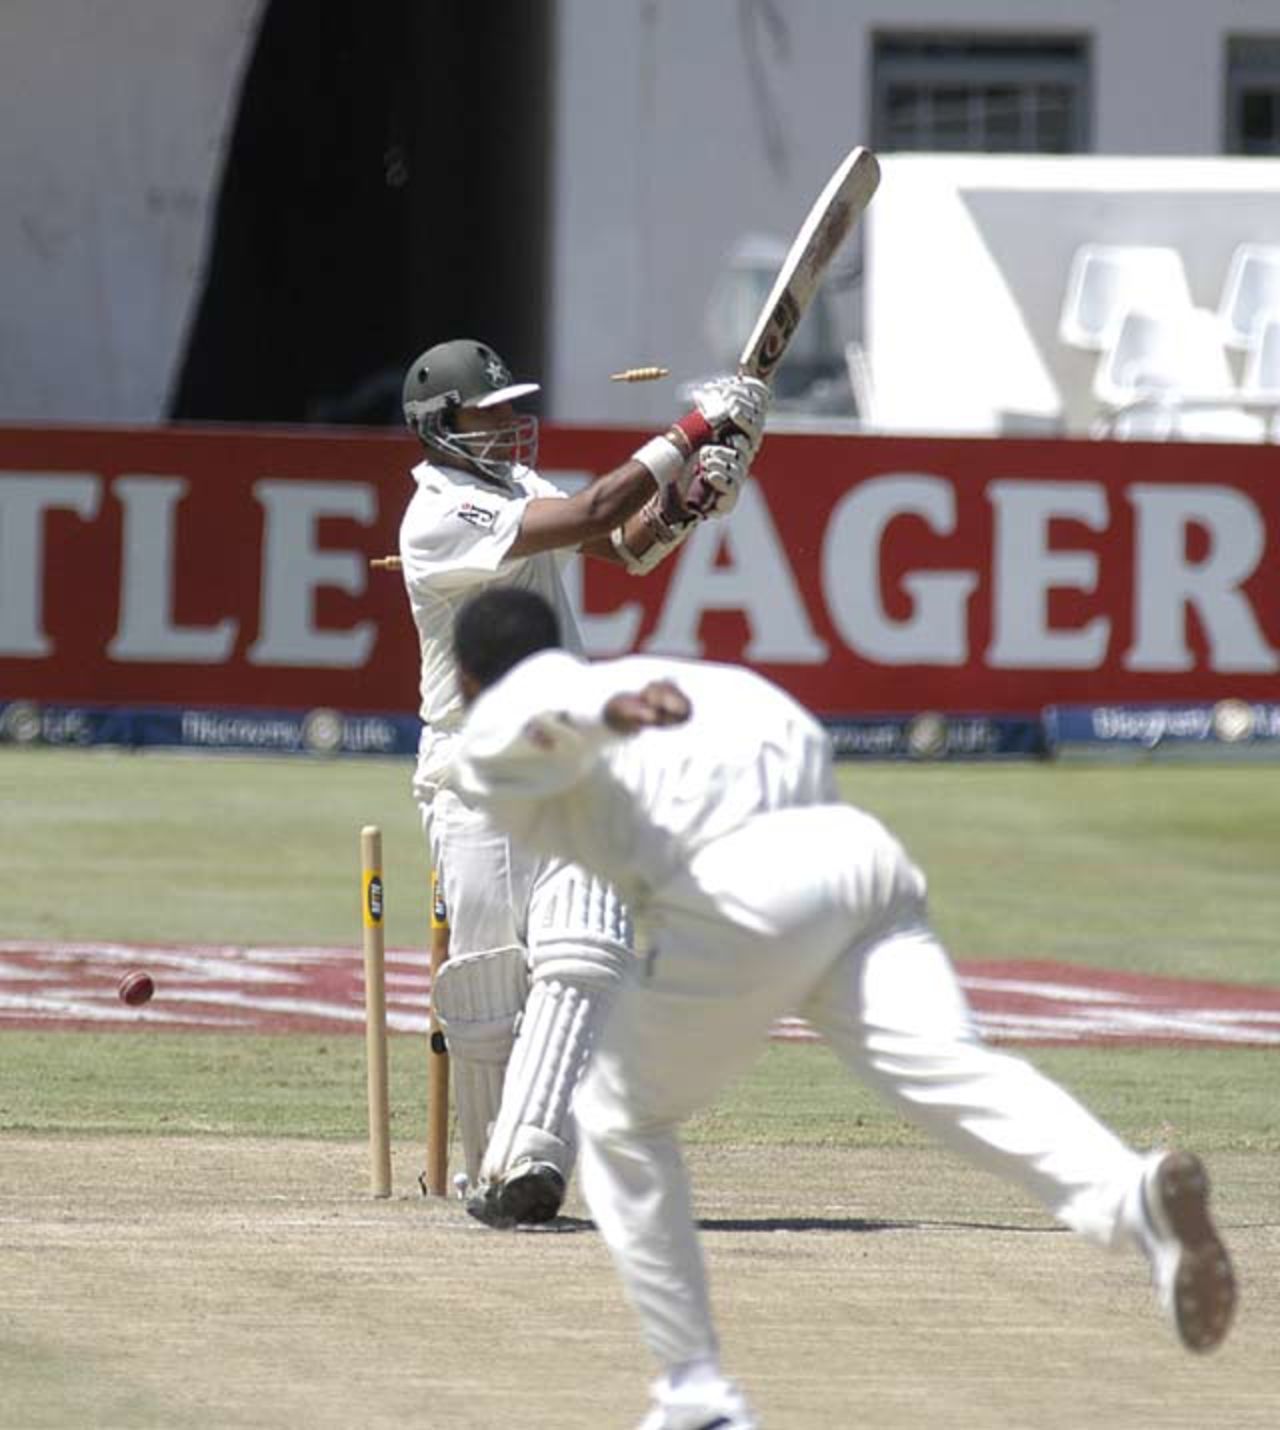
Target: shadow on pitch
<point x="859" y="1224"/>
<point x="568" y="1225"/>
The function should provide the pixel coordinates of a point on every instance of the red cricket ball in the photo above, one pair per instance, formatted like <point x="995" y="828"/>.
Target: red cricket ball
<point x="136" y="988"/>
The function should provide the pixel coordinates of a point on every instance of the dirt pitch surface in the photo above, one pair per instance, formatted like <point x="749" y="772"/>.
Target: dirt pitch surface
<point x="223" y="1283"/>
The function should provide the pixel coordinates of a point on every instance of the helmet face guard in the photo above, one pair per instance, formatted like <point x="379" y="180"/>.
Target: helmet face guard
<point x="465" y="374"/>
<point x="494" y="451"/>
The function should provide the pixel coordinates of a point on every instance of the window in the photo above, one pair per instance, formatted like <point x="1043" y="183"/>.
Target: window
<point x="1253" y="95"/>
<point x="981" y="94"/>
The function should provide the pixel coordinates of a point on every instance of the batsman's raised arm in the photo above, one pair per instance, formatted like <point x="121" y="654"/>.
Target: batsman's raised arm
<point x="640" y="512"/>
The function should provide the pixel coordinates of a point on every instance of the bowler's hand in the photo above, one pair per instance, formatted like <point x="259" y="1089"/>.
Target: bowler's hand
<point x="659" y="703"/>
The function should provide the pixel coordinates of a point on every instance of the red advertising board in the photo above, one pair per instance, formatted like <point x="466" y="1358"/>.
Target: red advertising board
<point x="876" y="575"/>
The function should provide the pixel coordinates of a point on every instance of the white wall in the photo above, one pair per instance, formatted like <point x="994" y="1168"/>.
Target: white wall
<point x="970" y="256"/>
<point x="681" y="127"/>
<point x="112" y="124"/>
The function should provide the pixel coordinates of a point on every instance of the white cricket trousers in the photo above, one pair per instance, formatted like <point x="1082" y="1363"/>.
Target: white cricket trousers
<point x="817" y="911"/>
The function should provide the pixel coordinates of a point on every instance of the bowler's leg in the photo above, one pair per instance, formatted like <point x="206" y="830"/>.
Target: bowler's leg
<point x="673" y="1041"/>
<point x="662" y="1056"/>
<point x="895" y="1014"/>
<point x="744" y="938"/>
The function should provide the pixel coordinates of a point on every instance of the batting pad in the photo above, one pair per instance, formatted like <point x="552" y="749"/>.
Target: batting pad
<point x="478" y="998"/>
<point x="577" y="924"/>
<point x="558" y="1031"/>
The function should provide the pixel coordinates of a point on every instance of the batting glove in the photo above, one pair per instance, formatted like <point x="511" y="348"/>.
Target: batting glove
<point x="735" y="405"/>
<point x="716" y="481"/>
<point x="727" y="408"/>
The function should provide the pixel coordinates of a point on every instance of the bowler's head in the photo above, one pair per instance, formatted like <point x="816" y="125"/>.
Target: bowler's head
<point x="497" y="629"/>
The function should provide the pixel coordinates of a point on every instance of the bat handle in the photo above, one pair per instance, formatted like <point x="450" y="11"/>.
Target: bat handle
<point x="697" y="497"/>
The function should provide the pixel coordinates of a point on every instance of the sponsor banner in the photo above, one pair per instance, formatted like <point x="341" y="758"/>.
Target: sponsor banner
<point x="213" y="568"/>
<point x="1226" y="723"/>
<point x="315" y="732"/>
<point x="934" y="736"/>
<point x="928" y="736"/>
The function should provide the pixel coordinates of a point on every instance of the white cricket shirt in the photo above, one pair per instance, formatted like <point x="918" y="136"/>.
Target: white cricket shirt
<point x="536" y="755"/>
<point x="454" y="539"/>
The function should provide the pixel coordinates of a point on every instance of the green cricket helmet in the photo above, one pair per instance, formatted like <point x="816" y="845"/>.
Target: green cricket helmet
<point x="464" y="373"/>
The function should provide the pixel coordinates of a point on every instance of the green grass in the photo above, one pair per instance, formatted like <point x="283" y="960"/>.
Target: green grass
<point x="1168" y="869"/>
<point x="152" y="1083"/>
<point x="1211" y="1099"/>
<point x="168" y="1084"/>
<point x="149" y="847"/>
<point x="1163" y="869"/>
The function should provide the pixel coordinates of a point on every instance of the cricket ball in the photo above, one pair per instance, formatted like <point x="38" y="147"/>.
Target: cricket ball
<point x="136" y="988"/>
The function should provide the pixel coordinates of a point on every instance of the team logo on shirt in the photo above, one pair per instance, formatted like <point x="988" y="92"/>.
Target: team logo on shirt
<point x="537" y="734"/>
<point x="481" y="516"/>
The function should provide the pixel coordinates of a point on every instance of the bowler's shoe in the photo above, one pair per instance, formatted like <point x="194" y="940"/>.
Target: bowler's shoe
<point x="709" y="1405"/>
<point x="1192" y="1271"/>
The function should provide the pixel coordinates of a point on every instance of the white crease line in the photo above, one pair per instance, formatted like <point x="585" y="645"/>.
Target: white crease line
<point x="1029" y="1027"/>
<point x="1054" y="992"/>
<point x="205" y="967"/>
<point x="17" y="973"/>
<point x="42" y="1009"/>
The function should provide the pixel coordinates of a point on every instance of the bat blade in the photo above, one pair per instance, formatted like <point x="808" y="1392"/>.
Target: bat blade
<point x="827" y="225"/>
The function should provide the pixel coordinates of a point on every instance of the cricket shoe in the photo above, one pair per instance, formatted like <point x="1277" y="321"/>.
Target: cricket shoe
<point x="533" y="1192"/>
<point x="1190" y="1266"/>
<point x="717" y="1405"/>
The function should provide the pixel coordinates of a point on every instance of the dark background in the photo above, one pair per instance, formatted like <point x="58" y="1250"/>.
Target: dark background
<point x="385" y="189"/>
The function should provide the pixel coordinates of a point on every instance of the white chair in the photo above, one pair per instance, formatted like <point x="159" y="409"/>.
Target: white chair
<point x="1156" y="420"/>
<point x="1178" y="355"/>
<point x="1261" y="380"/>
<point x="1107" y="280"/>
<point x="1168" y="375"/>
<point x="1212" y="423"/>
<point x="1145" y="422"/>
<point x="1260" y="384"/>
<point x="1251" y="288"/>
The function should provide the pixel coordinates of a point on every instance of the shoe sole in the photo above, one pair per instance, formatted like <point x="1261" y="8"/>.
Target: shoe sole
<point x="1204" y="1288"/>
<point x="531" y="1199"/>
<point x="483" y="1206"/>
<point x="721" y="1422"/>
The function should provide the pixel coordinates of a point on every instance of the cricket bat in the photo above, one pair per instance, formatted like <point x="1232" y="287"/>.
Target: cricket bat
<point x="828" y="223"/>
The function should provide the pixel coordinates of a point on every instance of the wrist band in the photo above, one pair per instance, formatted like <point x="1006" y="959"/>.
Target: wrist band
<point x="662" y="458"/>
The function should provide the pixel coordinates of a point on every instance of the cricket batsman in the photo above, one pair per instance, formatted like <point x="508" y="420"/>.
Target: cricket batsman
<point x="537" y="945"/>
